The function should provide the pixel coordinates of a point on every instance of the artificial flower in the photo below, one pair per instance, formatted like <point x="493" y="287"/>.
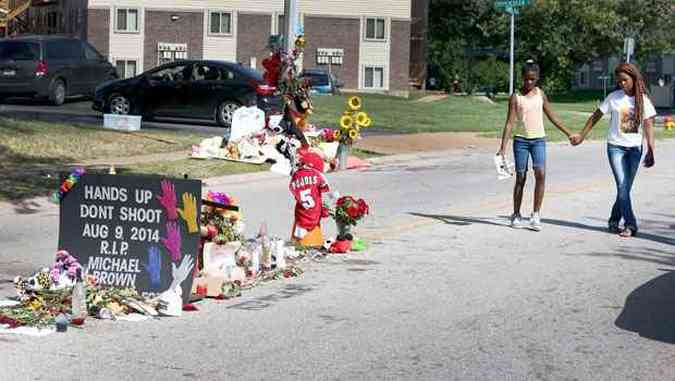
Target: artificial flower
<point x="354" y="103"/>
<point x="361" y="118"/>
<point x="346" y="121"/>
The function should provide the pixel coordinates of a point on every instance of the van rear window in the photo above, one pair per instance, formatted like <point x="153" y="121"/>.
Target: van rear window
<point x="19" y="51"/>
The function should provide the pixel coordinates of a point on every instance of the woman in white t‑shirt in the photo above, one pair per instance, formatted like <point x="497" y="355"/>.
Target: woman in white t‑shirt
<point x="631" y="114"/>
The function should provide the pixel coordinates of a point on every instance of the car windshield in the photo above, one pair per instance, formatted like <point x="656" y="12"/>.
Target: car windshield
<point x="317" y="79"/>
<point x="19" y="50"/>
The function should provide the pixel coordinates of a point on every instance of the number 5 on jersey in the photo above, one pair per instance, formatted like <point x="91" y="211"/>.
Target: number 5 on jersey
<point x="307" y="199"/>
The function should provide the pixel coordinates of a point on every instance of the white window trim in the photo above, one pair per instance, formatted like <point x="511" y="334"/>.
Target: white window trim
<point x="221" y="11"/>
<point x="365" y="29"/>
<point x="126" y="61"/>
<point x="384" y="77"/>
<point x="139" y="17"/>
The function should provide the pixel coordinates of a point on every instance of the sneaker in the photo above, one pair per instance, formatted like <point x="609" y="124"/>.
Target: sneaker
<point x="535" y="222"/>
<point x="516" y="222"/>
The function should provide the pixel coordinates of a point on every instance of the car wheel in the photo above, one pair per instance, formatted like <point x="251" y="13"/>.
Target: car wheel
<point x="225" y="112"/>
<point x="57" y="94"/>
<point x="119" y="104"/>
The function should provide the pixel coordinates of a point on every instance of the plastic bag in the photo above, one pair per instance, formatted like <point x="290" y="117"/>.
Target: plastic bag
<point x="505" y="169"/>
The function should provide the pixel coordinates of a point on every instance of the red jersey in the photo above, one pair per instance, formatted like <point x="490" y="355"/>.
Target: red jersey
<point x="307" y="185"/>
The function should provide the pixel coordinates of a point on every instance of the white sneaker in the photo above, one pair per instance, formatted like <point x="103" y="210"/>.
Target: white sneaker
<point x="516" y="222"/>
<point x="535" y="222"/>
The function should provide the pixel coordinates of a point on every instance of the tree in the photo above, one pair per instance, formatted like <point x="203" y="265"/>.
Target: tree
<point x="558" y="34"/>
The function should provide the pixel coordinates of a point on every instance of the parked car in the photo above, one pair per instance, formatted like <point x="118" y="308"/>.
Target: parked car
<point x="52" y="67"/>
<point x="321" y="81"/>
<point x="186" y="89"/>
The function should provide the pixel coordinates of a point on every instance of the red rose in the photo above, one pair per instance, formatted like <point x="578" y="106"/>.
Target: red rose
<point x="363" y="207"/>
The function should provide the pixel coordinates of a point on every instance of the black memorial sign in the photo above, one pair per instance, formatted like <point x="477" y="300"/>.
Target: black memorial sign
<point x="134" y="231"/>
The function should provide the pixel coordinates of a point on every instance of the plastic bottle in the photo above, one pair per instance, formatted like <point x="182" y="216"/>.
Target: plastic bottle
<point x="79" y="299"/>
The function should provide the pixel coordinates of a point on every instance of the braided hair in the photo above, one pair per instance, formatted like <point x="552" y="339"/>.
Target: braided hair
<point x="639" y="87"/>
<point x="530" y="66"/>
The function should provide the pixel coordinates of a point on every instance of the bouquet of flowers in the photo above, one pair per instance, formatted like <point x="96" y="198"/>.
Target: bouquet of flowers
<point x="349" y="211"/>
<point x="351" y="122"/>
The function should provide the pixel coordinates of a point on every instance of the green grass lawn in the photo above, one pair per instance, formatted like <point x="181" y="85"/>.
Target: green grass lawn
<point x="32" y="154"/>
<point x="460" y="113"/>
<point x="456" y="113"/>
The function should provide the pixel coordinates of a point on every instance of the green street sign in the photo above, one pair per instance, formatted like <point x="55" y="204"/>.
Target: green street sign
<point x="511" y="6"/>
<point x="511" y="3"/>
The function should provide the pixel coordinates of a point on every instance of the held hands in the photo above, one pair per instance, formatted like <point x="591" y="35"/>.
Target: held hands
<point x="576" y="139"/>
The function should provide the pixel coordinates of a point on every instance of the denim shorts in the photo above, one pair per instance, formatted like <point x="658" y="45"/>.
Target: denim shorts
<point x="524" y="148"/>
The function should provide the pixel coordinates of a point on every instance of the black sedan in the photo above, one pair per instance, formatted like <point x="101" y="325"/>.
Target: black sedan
<point x="187" y="89"/>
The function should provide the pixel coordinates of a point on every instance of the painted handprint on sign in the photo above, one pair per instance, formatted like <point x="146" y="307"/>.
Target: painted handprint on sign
<point x="168" y="200"/>
<point x="154" y="267"/>
<point x="182" y="272"/>
<point x="172" y="242"/>
<point x="189" y="212"/>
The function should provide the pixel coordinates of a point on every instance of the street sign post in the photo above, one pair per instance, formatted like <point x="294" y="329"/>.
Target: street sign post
<point x="628" y="47"/>
<point x="511" y="7"/>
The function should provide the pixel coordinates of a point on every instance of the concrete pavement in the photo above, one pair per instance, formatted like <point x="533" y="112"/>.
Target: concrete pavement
<point x="446" y="290"/>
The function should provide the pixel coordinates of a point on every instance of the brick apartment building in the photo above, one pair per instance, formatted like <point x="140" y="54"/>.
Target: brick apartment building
<point x="369" y="41"/>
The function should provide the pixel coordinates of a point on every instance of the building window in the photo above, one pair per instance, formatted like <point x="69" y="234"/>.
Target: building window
<point x="374" y="77"/>
<point x="220" y="23"/>
<point x="51" y="22"/>
<point x="127" y="20"/>
<point x="375" y="28"/>
<point x="583" y="79"/>
<point x="126" y="68"/>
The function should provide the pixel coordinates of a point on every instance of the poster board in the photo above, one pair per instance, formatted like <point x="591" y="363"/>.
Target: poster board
<point x="134" y="231"/>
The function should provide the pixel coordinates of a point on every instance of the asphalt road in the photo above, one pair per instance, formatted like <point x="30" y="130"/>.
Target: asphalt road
<point x="446" y="290"/>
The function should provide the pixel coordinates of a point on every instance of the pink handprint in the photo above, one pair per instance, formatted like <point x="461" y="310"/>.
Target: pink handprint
<point x="168" y="200"/>
<point x="172" y="242"/>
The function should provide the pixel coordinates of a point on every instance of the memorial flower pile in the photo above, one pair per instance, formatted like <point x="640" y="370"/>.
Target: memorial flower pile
<point x="351" y="122"/>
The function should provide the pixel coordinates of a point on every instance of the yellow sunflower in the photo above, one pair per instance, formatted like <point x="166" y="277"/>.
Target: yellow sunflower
<point x="354" y="103"/>
<point x="368" y="122"/>
<point x="361" y="118"/>
<point x="346" y="121"/>
<point x="337" y="134"/>
<point x="353" y="133"/>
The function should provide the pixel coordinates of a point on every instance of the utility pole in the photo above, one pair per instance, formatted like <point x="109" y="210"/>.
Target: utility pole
<point x="291" y="21"/>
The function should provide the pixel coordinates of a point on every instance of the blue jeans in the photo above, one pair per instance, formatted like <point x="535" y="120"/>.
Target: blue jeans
<point x="524" y="148"/>
<point x="625" y="162"/>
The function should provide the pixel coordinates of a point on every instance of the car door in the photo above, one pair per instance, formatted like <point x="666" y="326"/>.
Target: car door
<point x="63" y="58"/>
<point x="211" y="84"/>
<point x="163" y="90"/>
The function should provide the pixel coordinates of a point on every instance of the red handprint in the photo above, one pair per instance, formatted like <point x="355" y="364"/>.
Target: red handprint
<point x="172" y="242"/>
<point x="168" y="200"/>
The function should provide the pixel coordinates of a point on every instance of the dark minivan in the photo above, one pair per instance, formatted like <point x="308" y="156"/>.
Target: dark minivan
<point x="52" y="67"/>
